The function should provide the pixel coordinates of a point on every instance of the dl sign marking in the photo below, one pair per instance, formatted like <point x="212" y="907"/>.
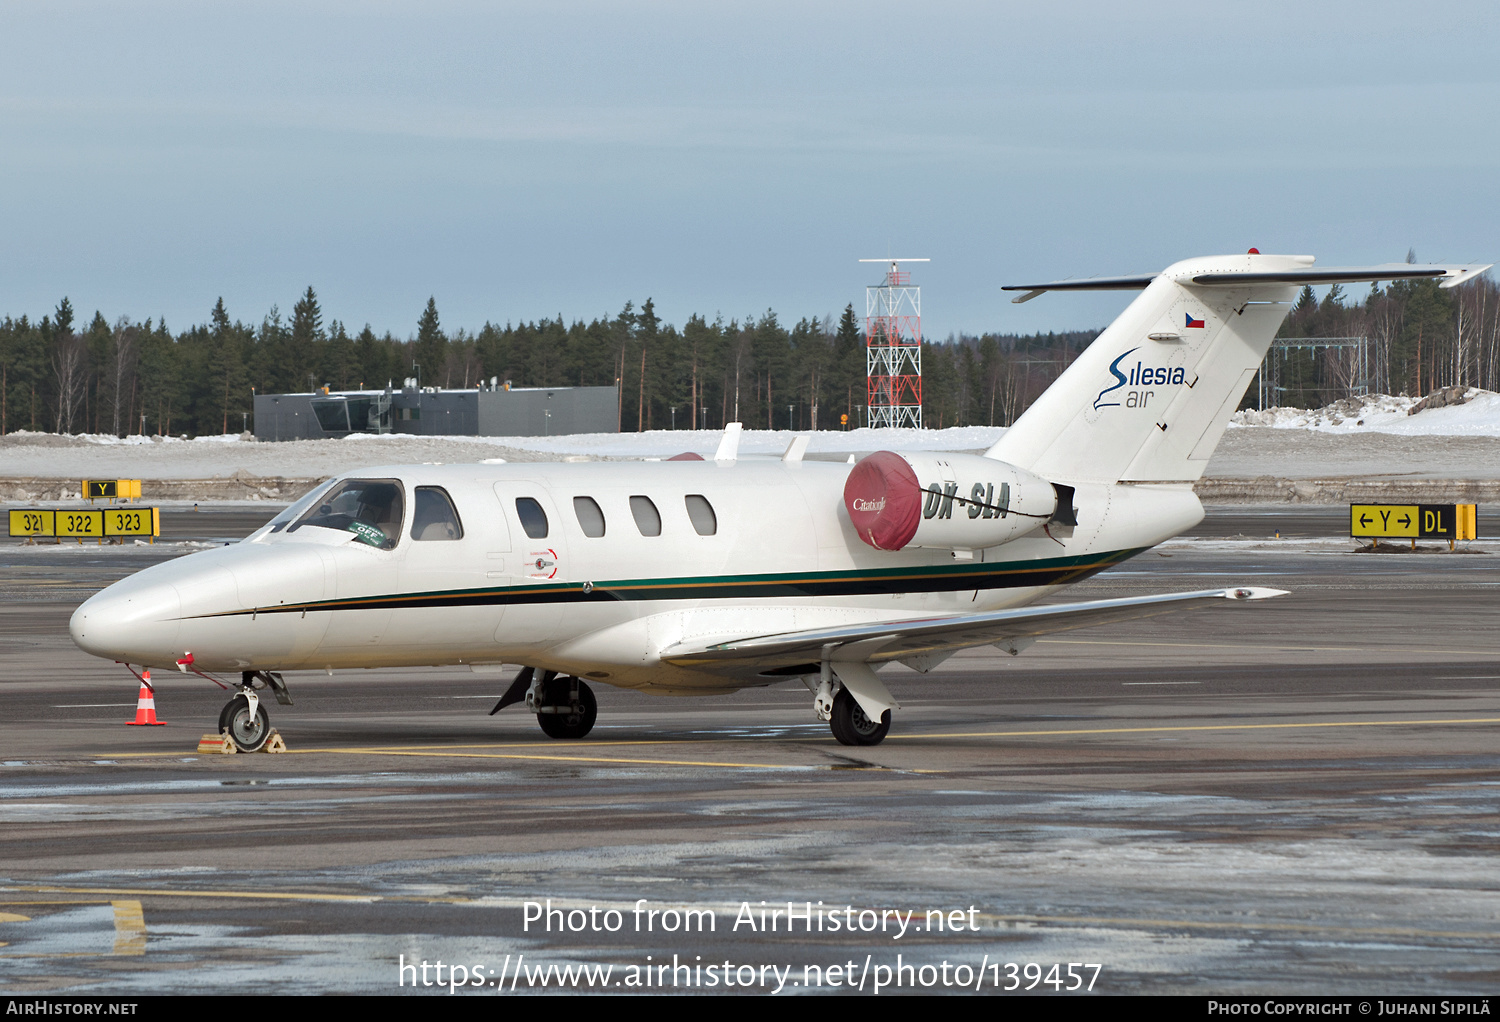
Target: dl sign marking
<point x="1412" y="521"/>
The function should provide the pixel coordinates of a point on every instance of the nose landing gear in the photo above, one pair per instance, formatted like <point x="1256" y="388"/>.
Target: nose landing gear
<point x="246" y="722"/>
<point x="243" y="718"/>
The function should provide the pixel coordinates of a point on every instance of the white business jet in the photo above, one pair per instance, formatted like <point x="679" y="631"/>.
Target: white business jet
<point x="700" y="577"/>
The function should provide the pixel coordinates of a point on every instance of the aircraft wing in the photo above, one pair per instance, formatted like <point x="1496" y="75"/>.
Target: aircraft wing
<point x="925" y="642"/>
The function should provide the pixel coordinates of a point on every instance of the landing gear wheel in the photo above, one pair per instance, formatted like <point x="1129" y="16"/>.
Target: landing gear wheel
<point x="247" y="732"/>
<point x="576" y="723"/>
<point x="850" y="724"/>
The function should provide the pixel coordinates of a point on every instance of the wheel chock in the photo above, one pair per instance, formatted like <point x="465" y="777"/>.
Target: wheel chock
<point x="218" y="744"/>
<point x="274" y="743"/>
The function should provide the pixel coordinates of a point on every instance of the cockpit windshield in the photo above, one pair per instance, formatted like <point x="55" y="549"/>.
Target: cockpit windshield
<point x="294" y="510"/>
<point x="370" y="509"/>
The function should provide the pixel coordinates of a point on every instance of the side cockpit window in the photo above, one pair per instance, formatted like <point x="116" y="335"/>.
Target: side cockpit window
<point x="433" y="515"/>
<point x="370" y="509"/>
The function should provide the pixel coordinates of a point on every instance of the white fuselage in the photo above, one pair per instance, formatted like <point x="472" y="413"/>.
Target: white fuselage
<point x="782" y="556"/>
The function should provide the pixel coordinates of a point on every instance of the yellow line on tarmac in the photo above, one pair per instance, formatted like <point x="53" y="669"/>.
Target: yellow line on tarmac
<point x="576" y="759"/>
<point x="435" y="748"/>
<point x="1234" y="924"/>
<point x="1270" y="646"/>
<point x="136" y="892"/>
<point x="1201" y="727"/>
<point x="452" y="752"/>
<point x="130" y="928"/>
<point x="447" y="752"/>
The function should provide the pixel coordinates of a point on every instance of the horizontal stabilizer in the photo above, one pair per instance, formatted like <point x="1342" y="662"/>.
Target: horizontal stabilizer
<point x="1446" y="275"/>
<point x="893" y="640"/>
<point x="1135" y="282"/>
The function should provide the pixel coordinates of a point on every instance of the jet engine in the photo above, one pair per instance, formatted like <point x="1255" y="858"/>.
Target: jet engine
<point x="946" y="501"/>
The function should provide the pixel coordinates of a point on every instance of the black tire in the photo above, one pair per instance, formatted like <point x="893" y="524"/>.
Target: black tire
<point x="569" y="725"/>
<point x="852" y="727"/>
<point x="247" y="733"/>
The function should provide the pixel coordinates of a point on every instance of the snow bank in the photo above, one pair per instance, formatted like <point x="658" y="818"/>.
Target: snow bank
<point x="1381" y="413"/>
<point x="36" y="438"/>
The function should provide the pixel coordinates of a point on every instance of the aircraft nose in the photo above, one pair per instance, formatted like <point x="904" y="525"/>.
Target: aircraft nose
<point x="132" y="623"/>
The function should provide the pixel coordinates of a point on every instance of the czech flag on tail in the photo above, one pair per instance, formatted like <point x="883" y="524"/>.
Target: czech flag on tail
<point x="1191" y="322"/>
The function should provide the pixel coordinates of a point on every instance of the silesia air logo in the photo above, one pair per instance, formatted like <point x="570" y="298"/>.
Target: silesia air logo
<point x="1138" y="375"/>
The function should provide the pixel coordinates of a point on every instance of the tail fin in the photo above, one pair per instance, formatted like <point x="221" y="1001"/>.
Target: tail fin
<point x="1150" y="398"/>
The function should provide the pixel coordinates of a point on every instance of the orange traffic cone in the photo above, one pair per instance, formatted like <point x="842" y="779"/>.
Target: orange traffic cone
<point x="145" y="706"/>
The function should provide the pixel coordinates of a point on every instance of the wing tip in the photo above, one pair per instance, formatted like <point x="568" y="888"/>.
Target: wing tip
<point x="1254" y="593"/>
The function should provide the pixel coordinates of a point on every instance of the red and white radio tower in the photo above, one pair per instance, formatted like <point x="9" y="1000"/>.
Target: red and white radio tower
<point x="893" y="347"/>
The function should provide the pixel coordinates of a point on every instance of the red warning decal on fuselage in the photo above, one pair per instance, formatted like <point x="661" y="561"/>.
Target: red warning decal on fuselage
<point x="542" y="564"/>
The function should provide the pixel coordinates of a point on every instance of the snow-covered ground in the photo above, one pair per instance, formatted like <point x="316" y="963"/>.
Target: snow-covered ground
<point x="1370" y="438"/>
<point x="48" y="456"/>
<point x="1382" y="413"/>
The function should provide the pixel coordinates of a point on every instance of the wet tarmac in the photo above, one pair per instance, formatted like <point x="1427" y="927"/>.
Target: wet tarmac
<point x="1296" y="796"/>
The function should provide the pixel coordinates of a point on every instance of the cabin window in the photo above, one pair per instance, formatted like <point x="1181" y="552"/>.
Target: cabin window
<point x="647" y="518"/>
<point x="705" y="522"/>
<point x="433" y="515"/>
<point x="533" y="518"/>
<point x="371" y="509"/>
<point x="590" y="518"/>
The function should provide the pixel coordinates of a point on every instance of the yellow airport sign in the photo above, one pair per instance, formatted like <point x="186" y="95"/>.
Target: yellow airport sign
<point x="84" y="523"/>
<point x="139" y="521"/>
<point x="113" y="489"/>
<point x="1385" y="521"/>
<point x="1467" y="525"/>
<point x="1414" y="521"/>
<point x="30" y="522"/>
<point x="80" y="524"/>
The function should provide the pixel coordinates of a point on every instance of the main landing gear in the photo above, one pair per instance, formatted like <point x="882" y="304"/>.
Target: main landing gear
<point x="565" y="707"/>
<point x="850" y="724"/>
<point x="845" y="716"/>
<point x="243" y="718"/>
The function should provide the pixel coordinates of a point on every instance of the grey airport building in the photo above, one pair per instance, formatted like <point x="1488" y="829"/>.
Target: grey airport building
<point x="487" y="410"/>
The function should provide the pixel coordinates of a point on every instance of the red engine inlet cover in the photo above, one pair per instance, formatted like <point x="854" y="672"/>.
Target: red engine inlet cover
<point x="884" y="500"/>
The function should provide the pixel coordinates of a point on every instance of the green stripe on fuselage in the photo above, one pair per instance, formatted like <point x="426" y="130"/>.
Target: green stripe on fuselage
<point x="925" y="578"/>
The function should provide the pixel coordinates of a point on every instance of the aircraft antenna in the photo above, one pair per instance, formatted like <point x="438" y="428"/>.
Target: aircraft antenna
<point x="893" y="348"/>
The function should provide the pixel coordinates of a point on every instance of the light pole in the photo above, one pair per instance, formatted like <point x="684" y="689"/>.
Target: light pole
<point x="674" y="417"/>
<point x="789" y="423"/>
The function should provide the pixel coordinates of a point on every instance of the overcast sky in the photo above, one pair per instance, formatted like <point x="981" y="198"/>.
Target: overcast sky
<point x="519" y="161"/>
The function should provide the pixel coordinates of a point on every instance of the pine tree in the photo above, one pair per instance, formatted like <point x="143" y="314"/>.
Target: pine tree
<point x="307" y="337"/>
<point x="69" y="366"/>
<point x="226" y="365"/>
<point x="431" y="349"/>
